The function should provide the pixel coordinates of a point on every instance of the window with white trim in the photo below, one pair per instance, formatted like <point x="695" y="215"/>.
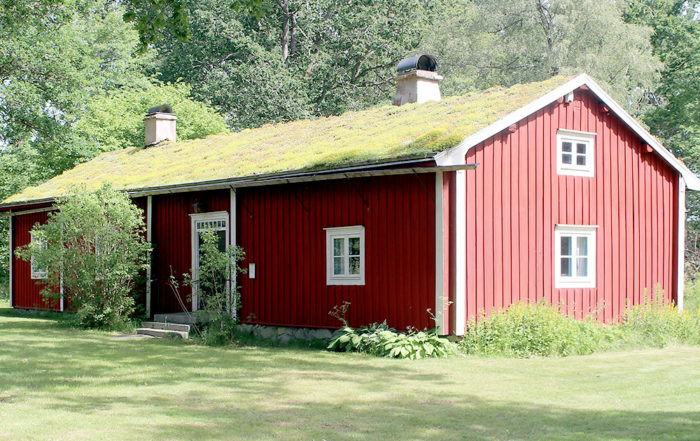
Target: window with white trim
<point x="38" y="273"/>
<point x="574" y="256"/>
<point x="575" y="153"/>
<point x="345" y="255"/>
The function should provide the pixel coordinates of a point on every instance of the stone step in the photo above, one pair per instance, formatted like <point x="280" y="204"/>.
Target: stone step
<point x="162" y="332"/>
<point x="166" y="326"/>
<point x="182" y="318"/>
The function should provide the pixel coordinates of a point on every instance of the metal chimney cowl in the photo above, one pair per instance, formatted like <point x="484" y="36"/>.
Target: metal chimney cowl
<point x="417" y="80"/>
<point x="160" y="125"/>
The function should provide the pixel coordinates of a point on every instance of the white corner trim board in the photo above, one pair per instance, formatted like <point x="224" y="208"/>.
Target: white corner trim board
<point x="12" y="303"/>
<point x="460" y="264"/>
<point x="457" y="154"/>
<point x="680" y="270"/>
<point x="149" y="239"/>
<point x="232" y="236"/>
<point x="439" y="255"/>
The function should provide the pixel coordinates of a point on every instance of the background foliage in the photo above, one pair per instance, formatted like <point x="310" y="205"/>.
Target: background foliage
<point x="76" y="76"/>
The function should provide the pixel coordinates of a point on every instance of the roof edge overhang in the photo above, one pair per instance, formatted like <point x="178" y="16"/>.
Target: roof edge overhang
<point x="378" y="169"/>
<point x="457" y="154"/>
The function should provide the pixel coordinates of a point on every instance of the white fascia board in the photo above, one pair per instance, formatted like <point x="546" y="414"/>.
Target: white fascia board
<point x="457" y="154"/>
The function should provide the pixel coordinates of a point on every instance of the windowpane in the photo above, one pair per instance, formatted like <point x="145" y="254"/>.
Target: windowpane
<point x="338" y="246"/>
<point x="580" y="160"/>
<point x="354" y="265"/>
<point x="566" y="158"/>
<point x="565" y="146"/>
<point x="582" y="246"/>
<point x="581" y="267"/>
<point x="566" y="266"/>
<point x="581" y="148"/>
<point x="338" y="266"/>
<point x="354" y="246"/>
<point x="566" y="246"/>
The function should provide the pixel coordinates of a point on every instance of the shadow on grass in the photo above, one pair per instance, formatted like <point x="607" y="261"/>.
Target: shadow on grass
<point x="195" y="392"/>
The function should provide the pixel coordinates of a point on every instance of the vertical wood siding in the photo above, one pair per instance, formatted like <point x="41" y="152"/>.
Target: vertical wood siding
<point x="281" y="229"/>
<point x="172" y="243"/>
<point x="27" y="292"/>
<point x="515" y="198"/>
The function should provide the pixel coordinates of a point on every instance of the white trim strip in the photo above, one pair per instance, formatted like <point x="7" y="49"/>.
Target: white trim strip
<point x="457" y="154"/>
<point x="233" y="239"/>
<point x="60" y="290"/>
<point x="460" y="264"/>
<point x="439" y="256"/>
<point x="11" y="246"/>
<point x="680" y="283"/>
<point x="149" y="239"/>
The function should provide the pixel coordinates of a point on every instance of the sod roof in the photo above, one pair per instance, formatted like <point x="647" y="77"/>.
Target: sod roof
<point x="375" y="135"/>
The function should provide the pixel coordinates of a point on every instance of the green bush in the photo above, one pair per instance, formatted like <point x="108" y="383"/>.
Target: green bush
<point x="657" y="322"/>
<point x="380" y="340"/>
<point x="94" y="246"/>
<point x="534" y="329"/>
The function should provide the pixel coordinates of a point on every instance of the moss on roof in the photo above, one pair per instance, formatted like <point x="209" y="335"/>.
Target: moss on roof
<point x="378" y="134"/>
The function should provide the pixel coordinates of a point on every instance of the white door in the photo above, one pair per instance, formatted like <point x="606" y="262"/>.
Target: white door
<point x="216" y="221"/>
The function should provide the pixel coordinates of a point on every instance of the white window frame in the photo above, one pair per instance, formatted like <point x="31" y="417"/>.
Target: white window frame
<point x="575" y="231"/>
<point x="218" y="221"/>
<point x="576" y="137"/>
<point x="346" y="233"/>
<point x="38" y="274"/>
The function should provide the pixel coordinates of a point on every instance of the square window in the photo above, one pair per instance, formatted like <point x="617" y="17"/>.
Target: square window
<point x="575" y="153"/>
<point x="574" y="258"/>
<point x="345" y="255"/>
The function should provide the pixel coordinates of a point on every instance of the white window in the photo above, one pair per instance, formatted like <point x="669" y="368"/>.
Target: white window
<point x="575" y="153"/>
<point x="37" y="272"/>
<point x="345" y="255"/>
<point x="574" y="256"/>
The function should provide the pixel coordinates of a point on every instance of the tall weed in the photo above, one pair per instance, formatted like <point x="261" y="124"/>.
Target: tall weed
<point x="534" y="329"/>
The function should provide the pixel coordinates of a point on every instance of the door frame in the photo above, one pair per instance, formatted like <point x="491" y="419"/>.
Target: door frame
<point x="219" y="220"/>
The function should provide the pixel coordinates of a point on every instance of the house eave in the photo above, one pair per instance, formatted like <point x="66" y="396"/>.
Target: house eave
<point x="365" y="170"/>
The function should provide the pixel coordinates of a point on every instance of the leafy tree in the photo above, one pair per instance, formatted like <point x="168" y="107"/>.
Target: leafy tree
<point x="484" y="43"/>
<point x="286" y="60"/>
<point x="115" y="120"/>
<point x="675" y="115"/>
<point x="95" y="246"/>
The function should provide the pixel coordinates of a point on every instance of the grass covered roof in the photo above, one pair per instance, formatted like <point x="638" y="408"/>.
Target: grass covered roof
<point x="378" y="134"/>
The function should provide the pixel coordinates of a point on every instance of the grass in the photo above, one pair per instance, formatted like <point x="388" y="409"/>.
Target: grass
<point x="375" y="135"/>
<point x="60" y="383"/>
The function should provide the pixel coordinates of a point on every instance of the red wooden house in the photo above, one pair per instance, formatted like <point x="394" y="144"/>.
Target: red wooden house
<point x="546" y="190"/>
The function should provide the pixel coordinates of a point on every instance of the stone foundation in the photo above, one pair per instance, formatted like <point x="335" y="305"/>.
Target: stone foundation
<point x="284" y="335"/>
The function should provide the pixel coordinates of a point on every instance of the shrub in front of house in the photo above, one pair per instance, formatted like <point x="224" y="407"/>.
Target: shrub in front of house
<point x="382" y="341"/>
<point x="534" y="329"/>
<point x="657" y="322"/>
<point x="91" y="250"/>
<point x="541" y="329"/>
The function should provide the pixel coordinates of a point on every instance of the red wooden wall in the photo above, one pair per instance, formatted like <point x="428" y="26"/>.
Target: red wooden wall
<point x="281" y="229"/>
<point x="26" y="292"/>
<point x="516" y="198"/>
<point x="172" y="243"/>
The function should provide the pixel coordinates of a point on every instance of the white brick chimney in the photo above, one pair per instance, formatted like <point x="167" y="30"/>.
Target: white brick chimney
<point x="417" y="81"/>
<point x="160" y="125"/>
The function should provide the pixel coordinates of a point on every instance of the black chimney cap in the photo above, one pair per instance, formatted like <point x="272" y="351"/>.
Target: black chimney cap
<point x="419" y="62"/>
<point x="163" y="108"/>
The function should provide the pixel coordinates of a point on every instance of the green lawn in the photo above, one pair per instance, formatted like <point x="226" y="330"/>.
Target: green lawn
<point x="58" y="383"/>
